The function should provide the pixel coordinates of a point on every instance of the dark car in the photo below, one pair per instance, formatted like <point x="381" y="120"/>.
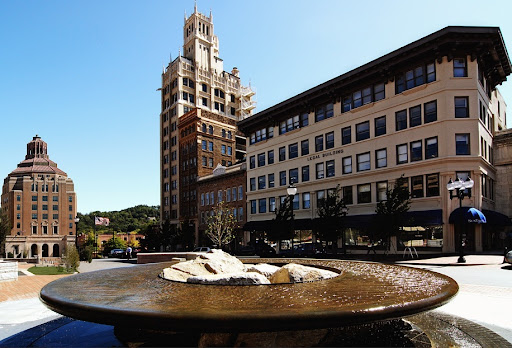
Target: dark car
<point x="265" y="250"/>
<point x="246" y="250"/>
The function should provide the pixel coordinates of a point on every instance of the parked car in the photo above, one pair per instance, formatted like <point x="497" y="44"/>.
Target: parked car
<point x="246" y="250"/>
<point x="265" y="250"/>
<point x="116" y="253"/>
<point x="201" y="249"/>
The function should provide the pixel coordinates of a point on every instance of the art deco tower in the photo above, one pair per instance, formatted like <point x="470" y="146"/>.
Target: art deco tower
<point x="40" y="201"/>
<point x="196" y="80"/>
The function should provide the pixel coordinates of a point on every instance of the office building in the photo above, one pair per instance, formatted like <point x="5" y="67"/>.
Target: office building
<point x="40" y="202"/>
<point x="429" y="111"/>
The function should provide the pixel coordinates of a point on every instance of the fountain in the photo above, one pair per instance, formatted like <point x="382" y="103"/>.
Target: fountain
<point x="144" y="308"/>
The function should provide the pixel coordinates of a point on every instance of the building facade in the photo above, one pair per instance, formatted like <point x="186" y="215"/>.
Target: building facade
<point x="196" y="80"/>
<point x="40" y="202"/>
<point x="428" y="111"/>
<point x="225" y="184"/>
<point x="205" y="139"/>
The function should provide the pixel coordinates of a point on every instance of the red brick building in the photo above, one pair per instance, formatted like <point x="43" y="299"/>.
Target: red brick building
<point x="206" y="140"/>
<point x="225" y="184"/>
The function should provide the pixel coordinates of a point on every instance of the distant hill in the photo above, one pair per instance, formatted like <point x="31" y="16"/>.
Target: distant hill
<point x="132" y="219"/>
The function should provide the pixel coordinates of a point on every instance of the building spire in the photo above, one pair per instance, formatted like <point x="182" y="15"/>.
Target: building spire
<point x="211" y="16"/>
<point x="195" y="6"/>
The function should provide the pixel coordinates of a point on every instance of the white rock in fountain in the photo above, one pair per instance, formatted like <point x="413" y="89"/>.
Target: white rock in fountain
<point x="217" y="261"/>
<point x="262" y="268"/>
<point x="243" y="278"/>
<point x="294" y="273"/>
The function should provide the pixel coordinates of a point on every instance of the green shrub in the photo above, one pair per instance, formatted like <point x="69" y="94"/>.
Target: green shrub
<point x="71" y="258"/>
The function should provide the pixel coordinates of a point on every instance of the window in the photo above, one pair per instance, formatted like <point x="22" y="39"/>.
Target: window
<point x="401" y="119"/>
<point x="203" y="161"/>
<point x="319" y="143"/>
<point x="272" y="204"/>
<point x="295" y="202"/>
<point x="364" y="193"/>
<point x="34" y="198"/>
<point x="415" y="116"/>
<point x="320" y="196"/>
<point x="430" y="111"/>
<point x="347" y="165"/>
<point x="381" y="158"/>
<point x="210" y="146"/>
<point x="305" y="173"/>
<point x="292" y="123"/>
<point x="462" y="144"/>
<point x="18" y="198"/>
<point x="282" y="178"/>
<point x="45" y="198"/>
<point x="431" y="148"/>
<point x="271" y="181"/>
<point x="363" y="162"/>
<point x="261" y="182"/>
<point x="346" y="136"/>
<point x="324" y="112"/>
<point x="460" y="68"/>
<point x="329" y="140"/>
<point x="253" y="206"/>
<point x="282" y="154"/>
<point x="401" y="154"/>
<point x="461" y="107"/>
<point x="330" y="168"/>
<point x="230" y="151"/>
<point x="252" y="162"/>
<point x="306" y="200"/>
<point x="294" y="175"/>
<point x="415" y="77"/>
<point x="55" y="216"/>
<point x="270" y="155"/>
<point x="34" y="206"/>
<point x="252" y="184"/>
<point x="380" y="126"/>
<point x="261" y="159"/>
<point x="432" y="185"/>
<point x="293" y="150"/>
<point x="204" y="87"/>
<point x="219" y="196"/>
<point x="202" y="199"/>
<point x="347" y="194"/>
<point x="262" y="204"/>
<point x="233" y="193"/>
<point x="364" y="96"/>
<point x="319" y="170"/>
<point x="240" y="193"/>
<point x="34" y="229"/>
<point x="223" y="149"/>
<point x="417" y="186"/>
<point x="416" y="151"/>
<point x="363" y="131"/>
<point x="378" y="92"/>
<point x="304" y="147"/>
<point x="304" y="119"/>
<point x="382" y="188"/>
<point x="55" y="207"/>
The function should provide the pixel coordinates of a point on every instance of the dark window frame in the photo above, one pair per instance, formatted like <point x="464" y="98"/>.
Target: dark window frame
<point x="380" y="127"/>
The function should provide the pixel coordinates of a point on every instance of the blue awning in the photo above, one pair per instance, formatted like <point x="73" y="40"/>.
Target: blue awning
<point x="495" y="218"/>
<point x="467" y="215"/>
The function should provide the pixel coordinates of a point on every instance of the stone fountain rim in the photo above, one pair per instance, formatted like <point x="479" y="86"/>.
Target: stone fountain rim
<point x="55" y="296"/>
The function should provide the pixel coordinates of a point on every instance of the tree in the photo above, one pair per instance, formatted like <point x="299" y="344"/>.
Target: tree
<point x="392" y="212"/>
<point x="280" y="228"/>
<point x="5" y="228"/>
<point x="71" y="258"/>
<point x="113" y="243"/>
<point x="220" y="225"/>
<point x="331" y="211"/>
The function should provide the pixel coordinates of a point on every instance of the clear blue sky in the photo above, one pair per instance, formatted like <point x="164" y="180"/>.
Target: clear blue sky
<point x="83" y="74"/>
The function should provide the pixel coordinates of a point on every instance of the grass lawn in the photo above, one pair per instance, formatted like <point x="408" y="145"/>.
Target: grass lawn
<point x="52" y="270"/>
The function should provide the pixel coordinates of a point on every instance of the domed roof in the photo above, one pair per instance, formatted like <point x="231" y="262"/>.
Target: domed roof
<point x="37" y="160"/>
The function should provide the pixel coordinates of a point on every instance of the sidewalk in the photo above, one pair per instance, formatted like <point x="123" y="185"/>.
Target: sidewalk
<point x="471" y="260"/>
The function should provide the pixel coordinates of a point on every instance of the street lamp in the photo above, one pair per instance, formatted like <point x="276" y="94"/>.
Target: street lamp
<point x="77" y="219"/>
<point x="460" y="189"/>
<point x="344" y="211"/>
<point x="292" y="191"/>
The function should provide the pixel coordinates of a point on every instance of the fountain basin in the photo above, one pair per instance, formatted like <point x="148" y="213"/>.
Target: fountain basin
<point x="136" y="297"/>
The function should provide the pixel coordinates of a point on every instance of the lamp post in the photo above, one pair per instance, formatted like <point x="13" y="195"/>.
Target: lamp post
<point x="77" y="219"/>
<point x="292" y="191"/>
<point x="458" y="189"/>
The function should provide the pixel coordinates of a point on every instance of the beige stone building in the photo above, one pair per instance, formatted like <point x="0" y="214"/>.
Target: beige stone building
<point x="40" y="202"/>
<point x="196" y="79"/>
<point x="429" y="111"/>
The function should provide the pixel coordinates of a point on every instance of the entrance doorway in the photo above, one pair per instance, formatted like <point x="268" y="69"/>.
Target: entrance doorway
<point x="33" y="250"/>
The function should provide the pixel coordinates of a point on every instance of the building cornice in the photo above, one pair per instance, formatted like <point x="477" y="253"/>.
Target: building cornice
<point x="483" y="43"/>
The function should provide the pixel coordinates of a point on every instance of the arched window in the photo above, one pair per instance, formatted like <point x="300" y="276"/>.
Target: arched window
<point x="210" y="129"/>
<point x="223" y="133"/>
<point x="33" y="250"/>
<point x="56" y="250"/>
<point x="45" y="250"/>
<point x="203" y="128"/>
<point x="229" y="135"/>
